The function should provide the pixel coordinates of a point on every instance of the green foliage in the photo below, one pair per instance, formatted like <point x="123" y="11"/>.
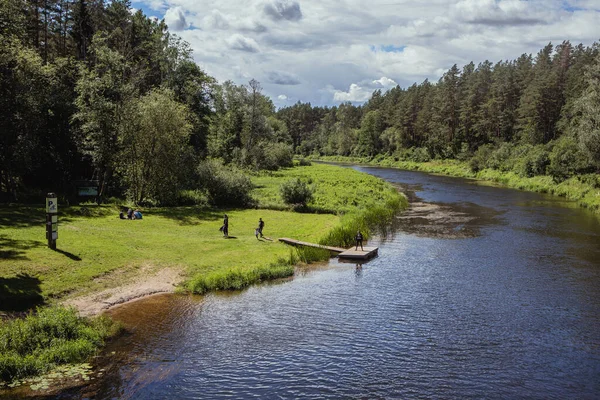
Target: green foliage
<point x="153" y="143"/>
<point x="534" y="162"/>
<point x="566" y="159"/>
<point x="47" y="338"/>
<point x="586" y="124"/>
<point x="480" y="159"/>
<point x="296" y="192"/>
<point x="375" y="216"/>
<point x="226" y="186"/>
<point x="238" y="278"/>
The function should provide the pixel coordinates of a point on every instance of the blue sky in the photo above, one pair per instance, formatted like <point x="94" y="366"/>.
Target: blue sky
<point x="326" y="52"/>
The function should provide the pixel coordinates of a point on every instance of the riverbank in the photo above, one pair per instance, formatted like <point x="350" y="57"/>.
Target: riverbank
<point x="585" y="192"/>
<point x="102" y="260"/>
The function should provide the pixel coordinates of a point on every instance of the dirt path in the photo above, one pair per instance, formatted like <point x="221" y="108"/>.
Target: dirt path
<point x="144" y="284"/>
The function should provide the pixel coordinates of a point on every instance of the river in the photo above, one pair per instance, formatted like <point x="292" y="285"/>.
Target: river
<point x="481" y="292"/>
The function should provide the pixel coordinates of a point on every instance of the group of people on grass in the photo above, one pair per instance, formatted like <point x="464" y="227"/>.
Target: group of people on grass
<point x="257" y="232"/>
<point x="130" y="214"/>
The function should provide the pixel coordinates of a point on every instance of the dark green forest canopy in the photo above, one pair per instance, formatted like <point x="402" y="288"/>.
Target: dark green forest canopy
<point x="91" y="91"/>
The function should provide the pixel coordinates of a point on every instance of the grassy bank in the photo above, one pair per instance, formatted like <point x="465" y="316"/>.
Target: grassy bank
<point x="97" y="250"/>
<point x="575" y="189"/>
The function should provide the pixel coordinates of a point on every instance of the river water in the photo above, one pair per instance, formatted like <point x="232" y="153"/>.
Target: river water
<point x="481" y="292"/>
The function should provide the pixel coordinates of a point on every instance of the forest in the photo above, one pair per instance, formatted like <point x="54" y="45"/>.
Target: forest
<point x="90" y="90"/>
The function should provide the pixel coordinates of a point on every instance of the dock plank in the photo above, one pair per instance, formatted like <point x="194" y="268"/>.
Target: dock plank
<point x="365" y="254"/>
<point x="295" y="242"/>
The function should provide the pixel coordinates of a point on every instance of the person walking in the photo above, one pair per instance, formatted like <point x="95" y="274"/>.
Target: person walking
<point x="259" y="230"/>
<point x="359" y="239"/>
<point x="225" y="227"/>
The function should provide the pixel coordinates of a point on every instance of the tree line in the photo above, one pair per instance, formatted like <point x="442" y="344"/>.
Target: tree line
<point x="539" y="114"/>
<point x="90" y="90"/>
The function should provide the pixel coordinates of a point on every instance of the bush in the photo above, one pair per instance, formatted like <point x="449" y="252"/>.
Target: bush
<point x="275" y="156"/>
<point x="501" y="158"/>
<point x="419" y="154"/>
<point x="296" y="192"/>
<point x="303" y="162"/>
<point x="480" y="158"/>
<point x="534" y="162"/>
<point x="225" y="186"/>
<point x="192" y="198"/>
<point x="566" y="159"/>
<point x="53" y="336"/>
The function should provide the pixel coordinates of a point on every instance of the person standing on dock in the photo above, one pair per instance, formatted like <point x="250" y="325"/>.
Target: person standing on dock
<point x="359" y="239"/>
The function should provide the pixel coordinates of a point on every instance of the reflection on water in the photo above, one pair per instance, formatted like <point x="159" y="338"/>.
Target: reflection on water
<point x="510" y="308"/>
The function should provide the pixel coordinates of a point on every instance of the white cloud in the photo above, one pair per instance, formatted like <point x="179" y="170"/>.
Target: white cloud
<point x="362" y="92"/>
<point x="242" y="43"/>
<point x="323" y="45"/>
<point x="175" y="19"/>
<point x="282" y="97"/>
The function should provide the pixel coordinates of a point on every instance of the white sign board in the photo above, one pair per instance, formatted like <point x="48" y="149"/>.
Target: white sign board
<point x="51" y="205"/>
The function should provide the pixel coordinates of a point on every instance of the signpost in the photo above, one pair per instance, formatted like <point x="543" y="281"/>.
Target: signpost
<point x="51" y="220"/>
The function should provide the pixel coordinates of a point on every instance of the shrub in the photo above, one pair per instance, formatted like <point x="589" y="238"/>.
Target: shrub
<point x="534" y="162"/>
<point x="500" y="158"/>
<point x="275" y="156"/>
<point x="420" y="154"/>
<point x="53" y="336"/>
<point x="226" y="186"/>
<point x="192" y="198"/>
<point x="566" y="159"/>
<point x="480" y="158"/>
<point x="303" y="162"/>
<point x="296" y="192"/>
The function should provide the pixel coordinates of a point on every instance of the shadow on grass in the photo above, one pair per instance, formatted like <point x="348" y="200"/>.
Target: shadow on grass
<point x="20" y="293"/>
<point x="11" y="249"/>
<point x="188" y="215"/>
<point x="70" y="255"/>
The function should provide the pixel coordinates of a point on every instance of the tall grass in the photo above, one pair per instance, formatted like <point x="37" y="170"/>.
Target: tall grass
<point x="238" y="278"/>
<point x="50" y="337"/>
<point x="377" y="216"/>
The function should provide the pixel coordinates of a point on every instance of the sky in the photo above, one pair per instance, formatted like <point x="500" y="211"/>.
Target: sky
<point x="330" y="51"/>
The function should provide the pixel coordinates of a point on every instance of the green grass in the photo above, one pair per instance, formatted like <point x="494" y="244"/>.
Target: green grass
<point x="51" y="337"/>
<point x="337" y="190"/>
<point x="97" y="250"/>
<point x="574" y="189"/>
<point x="103" y="251"/>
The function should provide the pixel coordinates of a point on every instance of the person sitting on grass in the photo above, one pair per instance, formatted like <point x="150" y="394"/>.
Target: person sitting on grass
<point x="359" y="239"/>
<point x="137" y="214"/>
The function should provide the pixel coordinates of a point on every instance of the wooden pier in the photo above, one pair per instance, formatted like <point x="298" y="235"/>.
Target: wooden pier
<point x="364" y="254"/>
<point x="295" y="242"/>
<point x="349" y="254"/>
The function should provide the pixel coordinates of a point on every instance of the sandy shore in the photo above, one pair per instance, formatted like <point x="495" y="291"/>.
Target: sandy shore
<point x="144" y="284"/>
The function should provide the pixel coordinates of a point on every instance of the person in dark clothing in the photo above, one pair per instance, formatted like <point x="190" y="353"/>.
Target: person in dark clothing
<point x="130" y="213"/>
<point x="359" y="239"/>
<point x="261" y="225"/>
<point x="225" y="227"/>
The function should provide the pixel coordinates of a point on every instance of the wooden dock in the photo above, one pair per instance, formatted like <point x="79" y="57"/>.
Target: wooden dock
<point x="365" y="254"/>
<point x="349" y="254"/>
<point x="295" y="242"/>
